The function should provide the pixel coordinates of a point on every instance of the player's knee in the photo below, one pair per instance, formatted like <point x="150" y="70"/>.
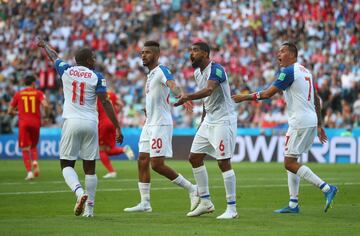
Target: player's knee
<point x="192" y="159"/>
<point x="156" y="166"/>
<point x="66" y="163"/>
<point x="195" y="160"/>
<point x="224" y="165"/>
<point x="290" y="164"/>
<point x="26" y="148"/>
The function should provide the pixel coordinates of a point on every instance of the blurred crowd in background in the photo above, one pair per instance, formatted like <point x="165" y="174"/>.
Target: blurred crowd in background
<point x="244" y="38"/>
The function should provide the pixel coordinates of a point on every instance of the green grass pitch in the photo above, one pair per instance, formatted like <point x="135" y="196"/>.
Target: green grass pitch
<point x="45" y="205"/>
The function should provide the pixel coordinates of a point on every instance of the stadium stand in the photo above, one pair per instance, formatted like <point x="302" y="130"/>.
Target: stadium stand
<point x="244" y="37"/>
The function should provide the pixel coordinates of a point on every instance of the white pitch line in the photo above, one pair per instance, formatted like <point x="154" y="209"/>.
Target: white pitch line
<point x="135" y="180"/>
<point x="159" y="188"/>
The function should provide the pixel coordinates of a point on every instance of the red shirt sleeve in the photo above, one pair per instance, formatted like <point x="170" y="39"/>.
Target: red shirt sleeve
<point x="40" y="95"/>
<point x="15" y="100"/>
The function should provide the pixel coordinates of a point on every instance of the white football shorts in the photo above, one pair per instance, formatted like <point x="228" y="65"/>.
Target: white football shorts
<point x="298" y="141"/>
<point x="217" y="140"/>
<point x="156" y="140"/>
<point x="79" y="138"/>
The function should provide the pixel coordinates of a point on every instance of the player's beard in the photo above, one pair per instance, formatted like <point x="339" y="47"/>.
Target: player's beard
<point x="195" y="63"/>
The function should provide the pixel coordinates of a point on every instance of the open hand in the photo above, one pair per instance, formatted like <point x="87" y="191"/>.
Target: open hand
<point x="188" y="106"/>
<point x="322" y="135"/>
<point x="182" y="100"/>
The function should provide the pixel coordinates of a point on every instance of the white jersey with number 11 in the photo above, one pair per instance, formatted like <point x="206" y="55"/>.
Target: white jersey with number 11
<point x="80" y="85"/>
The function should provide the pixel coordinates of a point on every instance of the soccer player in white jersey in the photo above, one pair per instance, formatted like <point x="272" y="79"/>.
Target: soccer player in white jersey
<point x="217" y="132"/>
<point x="155" y="140"/>
<point x="303" y="107"/>
<point x="82" y="86"/>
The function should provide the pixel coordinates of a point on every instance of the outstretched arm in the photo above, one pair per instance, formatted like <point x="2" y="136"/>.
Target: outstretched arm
<point x="52" y="54"/>
<point x="265" y="94"/>
<point x="205" y="92"/>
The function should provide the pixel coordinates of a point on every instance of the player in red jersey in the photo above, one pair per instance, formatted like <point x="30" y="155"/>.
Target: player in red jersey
<point x="27" y="103"/>
<point x="107" y="133"/>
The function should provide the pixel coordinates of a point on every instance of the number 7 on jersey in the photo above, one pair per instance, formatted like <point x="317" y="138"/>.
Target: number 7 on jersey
<point x="310" y="82"/>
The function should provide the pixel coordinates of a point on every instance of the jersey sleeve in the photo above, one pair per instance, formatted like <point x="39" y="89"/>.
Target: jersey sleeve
<point x="285" y="78"/>
<point x="167" y="74"/>
<point x="15" y="100"/>
<point x="217" y="73"/>
<point x="40" y="95"/>
<point x="61" y="66"/>
<point x="101" y="83"/>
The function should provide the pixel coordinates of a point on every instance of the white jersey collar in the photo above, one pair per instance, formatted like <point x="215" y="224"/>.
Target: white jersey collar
<point x="206" y="68"/>
<point x="153" y="70"/>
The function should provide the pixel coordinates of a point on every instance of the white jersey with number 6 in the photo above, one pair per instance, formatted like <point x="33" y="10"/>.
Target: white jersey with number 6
<point x="297" y="82"/>
<point x="80" y="85"/>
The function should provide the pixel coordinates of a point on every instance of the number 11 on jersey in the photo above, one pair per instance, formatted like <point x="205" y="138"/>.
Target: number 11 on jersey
<point x="82" y="92"/>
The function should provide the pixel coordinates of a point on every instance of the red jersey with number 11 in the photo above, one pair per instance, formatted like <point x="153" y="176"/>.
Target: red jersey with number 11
<point x="27" y="102"/>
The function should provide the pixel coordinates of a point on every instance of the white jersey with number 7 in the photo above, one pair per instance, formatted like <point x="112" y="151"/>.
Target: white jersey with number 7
<point x="80" y="85"/>
<point x="298" y="86"/>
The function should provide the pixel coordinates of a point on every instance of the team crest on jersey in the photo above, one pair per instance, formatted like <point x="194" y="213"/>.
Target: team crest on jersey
<point x="282" y="76"/>
<point x="219" y="73"/>
<point x="103" y="82"/>
<point x="62" y="64"/>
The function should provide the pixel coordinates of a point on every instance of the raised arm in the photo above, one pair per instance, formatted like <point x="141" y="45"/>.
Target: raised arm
<point x="111" y="114"/>
<point x="52" y="54"/>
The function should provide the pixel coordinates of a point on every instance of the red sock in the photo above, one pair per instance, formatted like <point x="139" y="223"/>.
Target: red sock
<point x="34" y="154"/>
<point x="26" y="159"/>
<point x="115" y="151"/>
<point x="106" y="162"/>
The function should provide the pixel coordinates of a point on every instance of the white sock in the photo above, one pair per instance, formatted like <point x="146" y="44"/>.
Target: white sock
<point x="230" y="187"/>
<point x="72" y="180"/>
<point x="306" y="173"/>
<point x="293" y="184"/>
<point x="144" y="189"/>
<point x="201" y="178"/>
<point x="182" y="182"/>
<point x="91" y="183"/>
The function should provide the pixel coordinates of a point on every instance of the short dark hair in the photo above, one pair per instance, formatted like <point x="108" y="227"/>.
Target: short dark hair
<point x="151" y="44"/>
<point x="292" y="47"/>
<point x="203" y="46"/>
<point x="82" y="55"/>
<point x="29" y="79"/>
